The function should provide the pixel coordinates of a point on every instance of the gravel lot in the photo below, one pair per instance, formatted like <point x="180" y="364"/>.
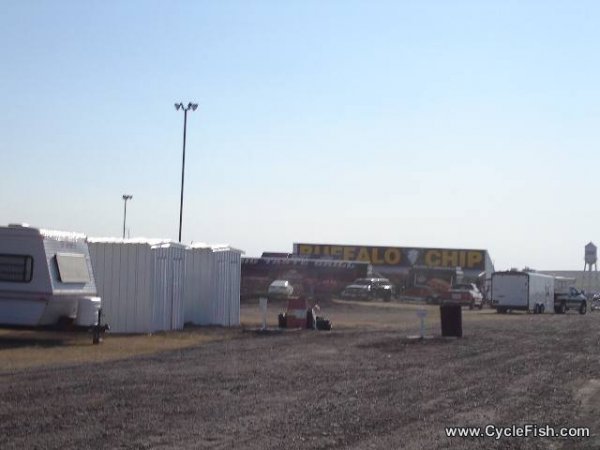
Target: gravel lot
<point x="363" y="385"/>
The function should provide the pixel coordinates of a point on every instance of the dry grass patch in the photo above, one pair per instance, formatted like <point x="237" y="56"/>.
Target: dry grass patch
<point x="26" y="349"/>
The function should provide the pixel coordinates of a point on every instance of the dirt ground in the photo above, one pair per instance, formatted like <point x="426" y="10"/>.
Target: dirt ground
<point x="362" y="385"/>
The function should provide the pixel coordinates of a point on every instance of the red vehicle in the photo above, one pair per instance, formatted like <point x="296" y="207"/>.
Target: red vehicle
<point x="300" y="314"/>
<point x="467" y="294"/>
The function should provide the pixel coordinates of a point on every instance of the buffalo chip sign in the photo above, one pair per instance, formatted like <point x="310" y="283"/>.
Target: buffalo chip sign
<point x="396" y="256"/>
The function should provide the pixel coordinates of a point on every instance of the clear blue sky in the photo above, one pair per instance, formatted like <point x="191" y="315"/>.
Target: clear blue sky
<point x="471" y="124"/>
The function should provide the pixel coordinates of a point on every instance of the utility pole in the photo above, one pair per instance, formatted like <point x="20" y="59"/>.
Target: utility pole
<point x="185" y="109"/>
<point x="125" y="198"/>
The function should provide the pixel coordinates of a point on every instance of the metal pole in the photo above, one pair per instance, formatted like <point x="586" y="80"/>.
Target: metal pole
<point x="125" y="198"/>
<point x="182" y="172"/>
<point x="193" y="107"/>
<point x="124" y="215"/>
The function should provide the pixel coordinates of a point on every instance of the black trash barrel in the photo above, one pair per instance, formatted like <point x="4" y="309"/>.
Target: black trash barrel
<point x="282" y="320"/>
<point x="451" y="318"/>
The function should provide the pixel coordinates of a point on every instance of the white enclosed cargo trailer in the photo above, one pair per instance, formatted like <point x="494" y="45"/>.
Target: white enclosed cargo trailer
<point x="46" y="279"/>
<point x="522" y="291"/>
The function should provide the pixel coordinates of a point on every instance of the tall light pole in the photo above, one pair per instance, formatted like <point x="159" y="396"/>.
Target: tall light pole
<point x="125" y="198"/>
<point x="185" y="109"/>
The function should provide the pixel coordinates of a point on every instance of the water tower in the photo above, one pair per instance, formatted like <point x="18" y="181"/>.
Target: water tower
<point x="590" y="279"/>
<point x="591" y="257"/>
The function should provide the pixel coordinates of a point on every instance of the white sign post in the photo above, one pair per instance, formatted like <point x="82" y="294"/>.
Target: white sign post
<point x="421" y="314"/>
<point x="263" y="311"/>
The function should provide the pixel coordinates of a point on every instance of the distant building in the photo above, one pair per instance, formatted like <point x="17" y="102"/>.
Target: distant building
<point x="409" y="266"/>
<point x="276" y="255"/>
<point x="319" y="278"/>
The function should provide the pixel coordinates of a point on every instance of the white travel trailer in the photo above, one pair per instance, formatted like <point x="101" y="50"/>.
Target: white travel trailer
<point x="46" y="279"/>
<point x="524" y="291"/>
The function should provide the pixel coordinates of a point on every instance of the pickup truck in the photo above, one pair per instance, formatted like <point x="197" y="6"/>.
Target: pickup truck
<point x="466" y="294"/>
<point x="570" y="299"/>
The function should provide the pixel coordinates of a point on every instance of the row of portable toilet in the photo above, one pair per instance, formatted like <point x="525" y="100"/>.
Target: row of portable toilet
<point x="157" y="285"/>
<point x="212" y="285"/>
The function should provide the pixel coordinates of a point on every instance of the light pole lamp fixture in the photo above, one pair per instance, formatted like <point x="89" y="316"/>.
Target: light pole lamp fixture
<point x="193" y="107"/>
<point x="125" y="198"/>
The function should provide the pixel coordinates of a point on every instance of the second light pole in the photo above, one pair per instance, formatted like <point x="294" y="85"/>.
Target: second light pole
<point x="185" y="109"/>
<point x="125" y="198"/>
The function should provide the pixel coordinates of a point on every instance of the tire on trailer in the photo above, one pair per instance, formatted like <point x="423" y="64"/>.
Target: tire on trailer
<point x="583" y="308"/>
<point x="542" y="309"/>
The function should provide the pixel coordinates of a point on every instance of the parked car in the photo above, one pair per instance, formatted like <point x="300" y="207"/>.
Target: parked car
<point x="424" y="293"/>
<point x="467" y="294"/>
<point x="369" y="288"/>
<point x="357" y="291"/>
<point x="280" y="289"/>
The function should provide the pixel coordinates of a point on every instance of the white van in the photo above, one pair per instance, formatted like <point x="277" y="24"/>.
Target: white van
<point x="46" y="279"/>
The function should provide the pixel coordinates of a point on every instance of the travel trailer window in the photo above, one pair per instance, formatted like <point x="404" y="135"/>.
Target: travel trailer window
<point x="72" y="268"/>
<point x="16" y="268"/>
